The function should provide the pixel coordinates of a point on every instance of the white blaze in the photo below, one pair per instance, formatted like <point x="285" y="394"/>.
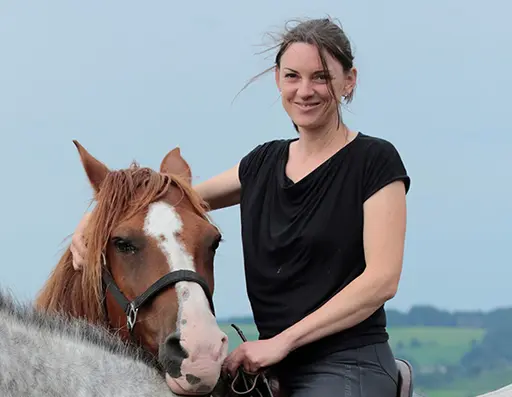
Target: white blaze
<point x="164" y="224"/>
<point x="200" y="335"/>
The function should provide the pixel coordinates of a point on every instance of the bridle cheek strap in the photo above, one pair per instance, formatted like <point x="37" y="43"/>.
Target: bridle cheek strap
<point x="131" y="308"/>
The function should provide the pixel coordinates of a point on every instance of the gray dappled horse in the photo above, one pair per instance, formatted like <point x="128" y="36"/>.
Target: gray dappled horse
<point x="55" y="356"/>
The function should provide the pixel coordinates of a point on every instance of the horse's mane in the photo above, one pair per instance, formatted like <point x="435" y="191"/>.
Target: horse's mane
<point x="122" y="194"/>
<point x="67" y="327"/>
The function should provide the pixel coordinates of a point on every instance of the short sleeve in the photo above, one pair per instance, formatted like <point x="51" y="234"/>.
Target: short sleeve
<point x="252" y="162"/>
<point x="383" y="166"/>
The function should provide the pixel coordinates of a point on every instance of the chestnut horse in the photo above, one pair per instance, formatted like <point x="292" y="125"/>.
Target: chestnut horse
<point x="149" y="273"/>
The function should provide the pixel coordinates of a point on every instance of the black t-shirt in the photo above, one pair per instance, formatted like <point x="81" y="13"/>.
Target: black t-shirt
<point x="303" y="242"/>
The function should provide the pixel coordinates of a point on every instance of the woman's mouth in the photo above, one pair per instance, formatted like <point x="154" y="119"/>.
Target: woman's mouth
<point x="306" y="106"/>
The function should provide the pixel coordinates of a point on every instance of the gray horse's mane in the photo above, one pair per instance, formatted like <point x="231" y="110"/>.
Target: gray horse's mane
<point x="62" y="325"/>
<point x="54" y="355"/>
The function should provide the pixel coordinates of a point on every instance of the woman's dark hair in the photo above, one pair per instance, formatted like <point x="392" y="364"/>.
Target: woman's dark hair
<point x="324" y="34"/>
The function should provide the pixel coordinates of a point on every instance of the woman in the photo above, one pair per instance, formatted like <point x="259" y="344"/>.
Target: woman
<point x="323" y="229"/>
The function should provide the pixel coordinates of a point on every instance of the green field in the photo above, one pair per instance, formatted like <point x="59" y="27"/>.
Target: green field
<point x="437" y="345"/>
<point x="473" y="387"/>
<point x="426" y="348"/>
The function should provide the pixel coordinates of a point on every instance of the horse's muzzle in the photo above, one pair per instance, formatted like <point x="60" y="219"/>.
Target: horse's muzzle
<point x="195" y="370"/>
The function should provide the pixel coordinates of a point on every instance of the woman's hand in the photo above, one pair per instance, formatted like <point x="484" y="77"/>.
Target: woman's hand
<point x="78" y="246"/>
<point x="256" y="355"/>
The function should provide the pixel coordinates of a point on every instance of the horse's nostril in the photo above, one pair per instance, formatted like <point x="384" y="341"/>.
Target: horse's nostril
<point x="193" y="380"/>
<point x="171" y="355"/>
<point x="174" y="348"/>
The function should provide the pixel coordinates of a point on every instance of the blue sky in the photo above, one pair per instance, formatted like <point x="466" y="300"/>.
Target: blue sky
<point x="132" y="80"/>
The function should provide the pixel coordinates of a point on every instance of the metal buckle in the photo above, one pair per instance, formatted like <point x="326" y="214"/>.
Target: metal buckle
<point x="131" y="317"/>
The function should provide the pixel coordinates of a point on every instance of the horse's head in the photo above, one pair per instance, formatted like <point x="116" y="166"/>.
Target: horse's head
<point x="149" y="269"/>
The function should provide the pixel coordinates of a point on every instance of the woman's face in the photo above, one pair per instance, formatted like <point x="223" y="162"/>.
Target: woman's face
<point x="304" y="86"/>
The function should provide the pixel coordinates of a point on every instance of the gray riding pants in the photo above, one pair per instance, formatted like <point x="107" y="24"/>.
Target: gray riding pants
<point x="369" y="371"/>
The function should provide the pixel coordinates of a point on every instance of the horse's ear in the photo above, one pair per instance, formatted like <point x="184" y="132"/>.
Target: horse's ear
<point x="96" y="171"/>
<point x="173" y="163"/>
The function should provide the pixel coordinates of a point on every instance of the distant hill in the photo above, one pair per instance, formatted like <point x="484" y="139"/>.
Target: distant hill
<point x="428" y="316"/>
<point x="237" y="320"/>
<point x="425" y="315"/>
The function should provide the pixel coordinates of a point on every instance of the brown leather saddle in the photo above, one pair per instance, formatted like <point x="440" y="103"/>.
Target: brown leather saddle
<point x="405" y="384"/>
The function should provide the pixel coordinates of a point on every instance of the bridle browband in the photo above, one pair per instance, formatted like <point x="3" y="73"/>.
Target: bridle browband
<point x="131" y="308"/>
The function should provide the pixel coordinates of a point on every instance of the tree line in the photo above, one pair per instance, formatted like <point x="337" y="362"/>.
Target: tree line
<point x="429" y="316"/>
<point x="424" y="315"/>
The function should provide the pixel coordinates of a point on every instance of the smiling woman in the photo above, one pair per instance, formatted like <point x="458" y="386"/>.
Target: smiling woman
<point x="323" y="230"/>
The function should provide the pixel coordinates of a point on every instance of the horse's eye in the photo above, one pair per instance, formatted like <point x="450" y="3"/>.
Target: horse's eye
<point x="124" y="246"/>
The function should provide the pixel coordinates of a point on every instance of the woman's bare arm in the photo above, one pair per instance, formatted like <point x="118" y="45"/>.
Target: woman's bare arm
<point x="222" y="190"/>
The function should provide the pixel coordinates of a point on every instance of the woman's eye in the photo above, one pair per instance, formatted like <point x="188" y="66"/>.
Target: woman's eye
<point x="124" y="246"/>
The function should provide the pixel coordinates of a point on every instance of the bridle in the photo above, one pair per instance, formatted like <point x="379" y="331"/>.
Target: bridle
<point x="253" y="383"/>
<point x="131" y="307"/>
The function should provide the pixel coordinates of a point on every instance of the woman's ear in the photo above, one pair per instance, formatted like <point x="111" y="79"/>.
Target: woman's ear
<point x="276" y="75"/>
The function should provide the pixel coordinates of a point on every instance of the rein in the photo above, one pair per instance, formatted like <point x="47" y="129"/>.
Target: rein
<point x="256" y="385"/>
